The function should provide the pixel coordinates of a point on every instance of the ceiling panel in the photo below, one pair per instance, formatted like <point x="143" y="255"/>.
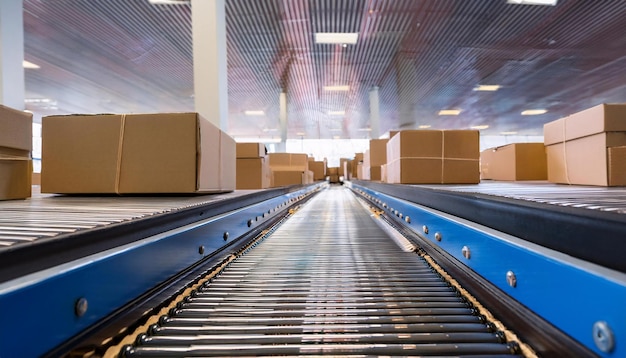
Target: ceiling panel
<point x="423" y="56"/>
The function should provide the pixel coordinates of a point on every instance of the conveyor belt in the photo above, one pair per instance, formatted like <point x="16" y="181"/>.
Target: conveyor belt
<point x="329" y="281"/>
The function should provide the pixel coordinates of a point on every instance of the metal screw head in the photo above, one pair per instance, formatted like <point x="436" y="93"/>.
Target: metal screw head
<point x="249" y="223"/>
<point x="438" y="236"/>
<point x="407" y="219"/>
<point x="511" y="279"/>
<point x="201" y="250"/>
<point x="466" y="252"/>
<point x="80" y="307"/>
<point x="603" y="336"/>
<point x="425" y="229"/>
<point x="226" y="235"/>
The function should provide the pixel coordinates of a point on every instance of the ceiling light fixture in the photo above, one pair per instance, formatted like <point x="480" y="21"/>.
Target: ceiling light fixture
<point x="424" y="126"/>
<point x="449" y="112"/>
<point x="336" y="137"/>
<point x="534" y="112"/>
<point x="254" y="113"/>
<point x="508" y="133"/>
<point x="300" y="134"/>
<point x="342" y="88"/>
<point x="27" y="64"/>
<point x="533" y="2"/>
<point x="487" y="88"/>
<point x="348" y="38"/>
<point x="484" y="126"/>
<point x="336" y="113"/>
<point x="365" y="129"/>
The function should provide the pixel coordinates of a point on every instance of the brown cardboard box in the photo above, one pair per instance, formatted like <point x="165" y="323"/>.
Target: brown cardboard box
<point x="135" y="153"/>
<point x="433" y="157"/>
<point x="251" y="150"/>
<point x="308" y="177"/>
<point x="253" y="173"/>
<point x="319" y="169"/>
<point x="383" y="173"/>
<point x="578" y="147"/>
<point x="16" y="134"/>
<point x="287" y="177"/>
<point x="359" y="171"/>
<point x="376" y="173"/>
<point x="358" y="158"/>
<point x="342" y="166"/>
<point x="15" y="177"/>
<point x="517" y="161"/>
<point x="334" y="178"/>
<point x="378" y="152"/>
<point x="332" y="171"/>
<point x="289" y="161"/>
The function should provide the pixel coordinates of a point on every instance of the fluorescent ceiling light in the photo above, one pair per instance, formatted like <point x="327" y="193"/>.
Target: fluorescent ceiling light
<point x="300" y="133"/>
<point x="27" y="64"/>
<point x="508" y="133"/>
<point x="336" y="137"/>
<point x="449" y="112"/>
<point x="365" y="129"/>
<point x="254" y="113"/>
<point x="336" y="113"/>
<point x="484" y="126"/>
<point x="168" y="2"/>
<point x="337" y="88"/>
<point x="488" y="88"/>
<point x="424" y="126"/>
<point x="534" y="112"/>
<point x="532" y="2"/>
<point x="270" y="129"/>
<point x="336" y="38"/>
<point x="37" y="100"/>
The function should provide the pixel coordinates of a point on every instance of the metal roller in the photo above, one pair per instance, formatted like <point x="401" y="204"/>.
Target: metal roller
<point x="329" y="281"/>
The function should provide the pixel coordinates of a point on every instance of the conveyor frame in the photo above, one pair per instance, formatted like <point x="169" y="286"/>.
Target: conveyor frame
<point x="575" y="295"/>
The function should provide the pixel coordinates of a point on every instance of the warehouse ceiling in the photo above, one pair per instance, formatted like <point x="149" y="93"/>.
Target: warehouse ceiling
<point x="423" y="56"/>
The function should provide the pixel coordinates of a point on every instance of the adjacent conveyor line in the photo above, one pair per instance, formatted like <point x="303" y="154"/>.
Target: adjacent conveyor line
<point x="329" y="281"/>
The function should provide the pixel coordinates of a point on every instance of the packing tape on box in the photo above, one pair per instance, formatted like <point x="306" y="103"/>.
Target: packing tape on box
<point x="118" y="169"/>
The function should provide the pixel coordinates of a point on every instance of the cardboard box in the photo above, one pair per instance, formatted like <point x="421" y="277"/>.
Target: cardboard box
<point x="517" y="161"/>
<point x="319" y="169"/>
<point x="360" y="171"/>
<point x="15" y="177"/>
<point x="253" y="173"/>
<point x="378" y="152"/>
<point x="287" y="177"/>
<point x="16" y="134"/>
<point x="376" y="173"/>
<point x="578" y="147"/>
<point x="289" y="161"/>
<point x="135" y="153"/>
<point x="383" y="173"/>
<point x="358" y="158"/>
<point x="434" y="157"/>
<point x="332" y="171"/>
<point x="334" y="178"/>
<point x="308" y="177"/>
<point x="251" y="150"/>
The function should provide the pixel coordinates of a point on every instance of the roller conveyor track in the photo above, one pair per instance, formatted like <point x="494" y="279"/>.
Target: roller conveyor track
<point x="329" y="281"/>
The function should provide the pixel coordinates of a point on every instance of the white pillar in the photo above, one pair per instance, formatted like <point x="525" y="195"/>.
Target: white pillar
<point x="406" y="78"/>
<point x="208" y="18"/>
<point x="282" y="116"/>
<point x="374" y="113"/>
<point x="12" y="53"/>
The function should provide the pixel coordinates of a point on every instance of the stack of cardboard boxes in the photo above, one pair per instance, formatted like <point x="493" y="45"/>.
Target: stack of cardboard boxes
<point x="433" y="157"/>
<point x="135" y="153"/>
<point x="16" y="138"/>
<point x="589" y="147"/>
<point x="319" y="169"/>
<point x="333" y="174"/>
<point x="289" y="169"/>
<point x="253" y="169"/>
<point x="373" y="159"/>
<point x="357" y="163"/>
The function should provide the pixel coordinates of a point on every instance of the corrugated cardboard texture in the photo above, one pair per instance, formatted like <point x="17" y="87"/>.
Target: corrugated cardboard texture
<point x="299" y="161"/>
<point x="601" y="118"/>
<point x="343" y="166"/>
<point x="375" y="173"/>
<point x="285" y="178"/>
<point x="279" y="159"/>
<point x="251" y="150"/>
<point x="253" y="173"/>
<point x="332" y="171"/>
<point x="461" y="144"/>
<point x="415" y="144"/>
<point x="17" y="130"/>
<point x="139" y="153"/>
<point x="583" y="161"/>
<point x="366" y="159"/>
<point x="383" y="173"/>
<point x="15" y="178"/>
<point x="378" y="152"/>
<point x="319" y="169"/>
<point x="617" y="166"/>
<point x="80" y="154"/>
<point x="289" y="161"/>
<point x="308" y="177"/>
<point x="517" y="161"/>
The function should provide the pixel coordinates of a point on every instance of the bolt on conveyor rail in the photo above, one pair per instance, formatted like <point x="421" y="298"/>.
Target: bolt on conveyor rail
<point x="327" y="281"/>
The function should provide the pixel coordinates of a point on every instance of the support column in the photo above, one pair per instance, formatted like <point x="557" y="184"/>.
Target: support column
<point x="12" y="53"/>
<point x="374" y="113"/>
<point x="208" y="18"/>
<point x="405" y="78"/>
<point x="282" y="146"/>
